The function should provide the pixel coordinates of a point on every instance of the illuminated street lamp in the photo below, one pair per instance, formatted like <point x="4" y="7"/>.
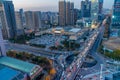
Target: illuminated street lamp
<point x="113" y="16"/>
<point x="101" y="73"/>
<point x="104" y="49"/>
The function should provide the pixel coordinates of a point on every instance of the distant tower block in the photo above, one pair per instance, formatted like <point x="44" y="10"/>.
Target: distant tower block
<point x="2" y="46"/>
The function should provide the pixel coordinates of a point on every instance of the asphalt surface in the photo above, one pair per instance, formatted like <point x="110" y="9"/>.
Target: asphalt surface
<point x="93" y="52"/>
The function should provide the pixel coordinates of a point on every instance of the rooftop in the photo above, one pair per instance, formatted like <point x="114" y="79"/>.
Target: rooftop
<point x="17" y="64"/>
<point x="75" y="30"/>
<point x="10" y="74"/>
<point x="58" y="28"/>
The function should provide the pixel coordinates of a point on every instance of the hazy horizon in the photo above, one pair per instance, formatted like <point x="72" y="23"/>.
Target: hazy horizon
<point x="49" y="5"/>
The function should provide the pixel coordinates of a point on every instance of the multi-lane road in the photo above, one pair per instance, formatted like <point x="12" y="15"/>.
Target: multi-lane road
<point x="73" y="69"/>
<point x="32" y="50"/>
<point x="89" y="46"/>
<point x="100" y="60"/>
<point x="50" y="54"/>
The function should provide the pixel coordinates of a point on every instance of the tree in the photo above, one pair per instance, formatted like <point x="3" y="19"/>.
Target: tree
<point x="114" y="55"/>
<point x="70" y="45"/>
<point x="47" y="77"/>
<point x="52" y="71"/>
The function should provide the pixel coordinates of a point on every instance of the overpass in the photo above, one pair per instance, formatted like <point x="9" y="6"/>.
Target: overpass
<point x="92" y="51"/>
<point x="71" y="72"/>
<point x="96" y="43"/>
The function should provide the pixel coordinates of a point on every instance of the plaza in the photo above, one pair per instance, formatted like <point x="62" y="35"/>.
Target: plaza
<point x="48" y="40"/>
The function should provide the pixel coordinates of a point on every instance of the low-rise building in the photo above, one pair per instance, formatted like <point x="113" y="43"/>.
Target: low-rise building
<point x="30" y="69"/>
<point x="73" y="33"/>
<point x="7" y="73"/>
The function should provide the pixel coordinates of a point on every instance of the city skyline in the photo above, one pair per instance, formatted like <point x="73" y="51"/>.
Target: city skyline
<point x="50" y="5"/>
<point x="60" y="40"/>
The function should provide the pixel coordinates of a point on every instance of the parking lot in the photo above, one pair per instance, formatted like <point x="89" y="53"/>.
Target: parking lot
<point x="48" y="40"/>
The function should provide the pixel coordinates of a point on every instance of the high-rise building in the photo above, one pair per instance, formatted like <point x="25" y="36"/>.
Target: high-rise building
<point x="8" y="19"/>
<point x="116" y="16"/>
<point x="100" y="12"/>
<point x="37" y="21"/>
<point x="22" y="17"/>
<point x="68" y="11"/>
<point x="62" y="13"/>
<point x="19" y="24"/>
<point x="94" y="9"/>
<point x="29" y="16"/>
<point x="4" y="24"/>
<point x="76" y="15"/>
<point x="2" y="46"/>
<point x="72" y="19"/>
<point x="86" y="9"/>
<point x="54" y="18"/>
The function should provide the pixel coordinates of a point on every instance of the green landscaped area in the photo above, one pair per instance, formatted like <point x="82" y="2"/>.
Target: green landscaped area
<point x="70" y="45"/>
<point x="22" y="39"/>
<point x="66" y="45"/>
<point x="115" y="54"/>
<point x="111" y="48"/>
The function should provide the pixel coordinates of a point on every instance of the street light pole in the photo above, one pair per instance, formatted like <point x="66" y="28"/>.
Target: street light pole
<point x="101" y="73"/>
<point x="69" y="45"/>
<point x="104" y="49"/>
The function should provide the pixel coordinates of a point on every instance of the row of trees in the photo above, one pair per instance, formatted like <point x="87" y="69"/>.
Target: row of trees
<point x="59" y="47"/>
<point x="38" y="45"/>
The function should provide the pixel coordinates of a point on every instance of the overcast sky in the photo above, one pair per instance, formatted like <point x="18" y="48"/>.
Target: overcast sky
<point x="49" y="5"/>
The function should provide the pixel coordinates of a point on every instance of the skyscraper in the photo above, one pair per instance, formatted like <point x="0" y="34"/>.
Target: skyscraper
<point x="86" y="9"/>
<point x="66" y="13"/>
<point x="22" y="17"/>
<point x="116" y="16"/>
<point x="29" y="20"/>
<point x="62" y="13"/>
<point x="2" y="47"/>
<point x="72" y="19"/>
<point x="4" y="24"/>
<point x="37" y="21"/>
<point x="94" y="9"/>
<point x="19" y="24"/>
<point x="76" y="15"/>
<point x="54" y="18"/>
<point x="100" y="9"/>
<point x="9" y="14"/>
